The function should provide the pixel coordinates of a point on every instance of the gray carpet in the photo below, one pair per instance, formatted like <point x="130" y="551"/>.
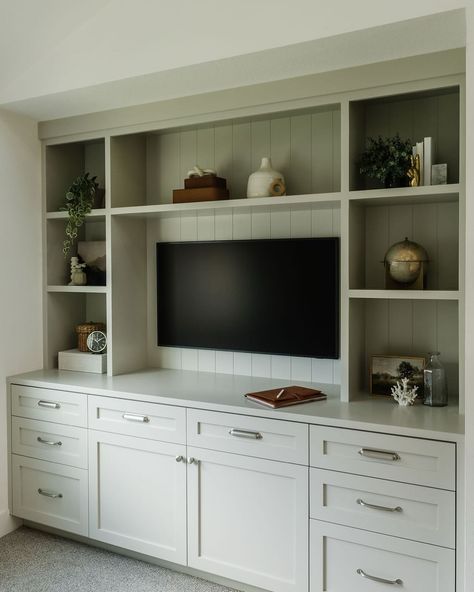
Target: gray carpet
<point x="32" y="561"/>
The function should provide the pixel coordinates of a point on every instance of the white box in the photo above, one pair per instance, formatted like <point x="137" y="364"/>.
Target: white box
<point x="73" y="359"/>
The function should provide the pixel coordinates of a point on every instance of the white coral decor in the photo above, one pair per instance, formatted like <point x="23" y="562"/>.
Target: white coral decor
<point x="403" y="394"/>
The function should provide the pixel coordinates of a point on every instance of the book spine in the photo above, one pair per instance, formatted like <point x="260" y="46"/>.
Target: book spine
<point x="420" y="152"/>
<point x="428" y="158"/>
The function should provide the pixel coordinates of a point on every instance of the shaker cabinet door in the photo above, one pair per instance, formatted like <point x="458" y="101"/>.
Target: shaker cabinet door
<point x="248" y="519"/>
<point x="137" y="492"/>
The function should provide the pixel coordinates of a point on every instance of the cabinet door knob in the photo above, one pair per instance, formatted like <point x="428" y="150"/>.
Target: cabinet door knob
<point x="193" y="461"/>
<point x="180" y="458"/>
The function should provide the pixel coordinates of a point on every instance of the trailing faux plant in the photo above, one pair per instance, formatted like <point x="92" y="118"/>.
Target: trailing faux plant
<point x="386" y="159"/>
<point x="79" y="202"/>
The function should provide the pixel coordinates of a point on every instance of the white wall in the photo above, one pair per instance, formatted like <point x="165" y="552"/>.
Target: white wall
<point x="20" y="267"/>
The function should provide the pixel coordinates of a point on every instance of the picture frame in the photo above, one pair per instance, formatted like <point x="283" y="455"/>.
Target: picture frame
<point x="386" y="370"/>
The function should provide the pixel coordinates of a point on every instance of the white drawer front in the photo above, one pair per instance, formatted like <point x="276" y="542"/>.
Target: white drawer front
<point x="50" y="441"/>
<point x="132" y="418"/>
<point x="50" y="494"/>
<point x="49" y="405"/>
<point x="397" y="458"/>
<point x="409" y="511"/>
<point x="346" y="559"/>
<point x="253" y="436"/>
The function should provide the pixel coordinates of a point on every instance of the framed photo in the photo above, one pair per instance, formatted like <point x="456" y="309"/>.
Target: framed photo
<point x="385" y="371"/>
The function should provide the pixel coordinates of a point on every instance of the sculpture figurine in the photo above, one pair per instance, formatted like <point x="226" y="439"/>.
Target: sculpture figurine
<point x="403" y="394"/>
<point x="414" y="171"/>
<point x="78" y="275"/>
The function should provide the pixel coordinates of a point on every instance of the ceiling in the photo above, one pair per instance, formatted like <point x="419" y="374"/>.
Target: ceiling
<point x="60" y="58"/>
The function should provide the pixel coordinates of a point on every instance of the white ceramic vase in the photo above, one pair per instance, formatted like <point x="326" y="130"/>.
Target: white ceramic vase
<point x="260" y="182"/>
<point x="79" y="278"/>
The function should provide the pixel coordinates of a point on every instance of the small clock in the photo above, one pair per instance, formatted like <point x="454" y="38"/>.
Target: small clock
<point x="97" y="342"/>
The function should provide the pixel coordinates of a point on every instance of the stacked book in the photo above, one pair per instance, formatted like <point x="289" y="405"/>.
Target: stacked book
<point x="201" y="188"/>
<point x="425" y="150"/>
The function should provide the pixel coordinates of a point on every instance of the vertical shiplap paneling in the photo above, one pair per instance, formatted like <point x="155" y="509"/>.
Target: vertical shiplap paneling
<point x="321" y="222"/>
<point x="301" y="369"/>
<point x="262" y="365"/>
<point x="298" y="179"/>
<point x="189" y="231"/>
<point x="425" y="231"/>
<point x="205" y="226"/>
<point x="401" y="115"/>
<point x="242" y="225"/>
<point x="448" y="246"/>
<point x="223" y="224"/>
<point x="223" y="154"/>
<point x="188" y="151"/>
<point x="447" y="149"/>
<point x="322" y="152"/>
<point x="280" y="134"/>
<point x="425" y="326"/>
<point x="168" y="165"/>
<point x="425" y="119"/>
<point x="336" y="151"/>
<point x="300" y="223"/>
<point x="241" y="150"/>
<point x="261" y="227"/>
<point x="205" y="149"/>
<point x="400" y="223"/>
<point x="259" y="143"/>
<point x="400" y="318"/>
<point x="448" y="342"/>
<point x="377" y="333"/>
<point x="280" y="224"/>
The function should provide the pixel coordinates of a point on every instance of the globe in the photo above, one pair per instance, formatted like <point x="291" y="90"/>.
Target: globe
<point x="404" y="261"/>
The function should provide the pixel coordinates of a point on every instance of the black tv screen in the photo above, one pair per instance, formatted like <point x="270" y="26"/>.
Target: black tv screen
<point x="263" y="296"/>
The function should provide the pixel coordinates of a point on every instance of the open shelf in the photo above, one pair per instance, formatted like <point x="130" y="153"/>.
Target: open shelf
<point x="65" y="162"/>
<point x="405" y="294"/>
<point x="288" y="202"/>
<point x="407" y="195"/>
<point x="304" y="147"/>
<point x="78" y="289"/>
<point x="415" y="115"/>
<point x="97" y="213"/>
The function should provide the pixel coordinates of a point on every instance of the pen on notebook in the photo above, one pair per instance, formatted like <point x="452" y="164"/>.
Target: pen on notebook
<point x="280" y="393"/>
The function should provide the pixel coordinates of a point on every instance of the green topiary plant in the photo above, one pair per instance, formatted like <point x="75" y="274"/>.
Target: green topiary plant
<point x="386" y="159"/>
<point x="79" y="202"/>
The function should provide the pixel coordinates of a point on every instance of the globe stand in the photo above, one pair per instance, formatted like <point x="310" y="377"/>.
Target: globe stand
<point x="418" y="284"/>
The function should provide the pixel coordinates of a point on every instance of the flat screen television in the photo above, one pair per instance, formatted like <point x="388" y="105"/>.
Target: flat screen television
<point x="262" y="296"/>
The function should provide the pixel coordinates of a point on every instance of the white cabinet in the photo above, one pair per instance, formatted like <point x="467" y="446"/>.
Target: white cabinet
<point x="248" y="519"/>
<point x="137" y="492"/>
<point x="350" y="560"/>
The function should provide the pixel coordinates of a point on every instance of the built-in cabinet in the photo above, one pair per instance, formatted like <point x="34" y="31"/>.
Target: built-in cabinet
<point x="281" y="505"/>
<point x="317" y="147"/>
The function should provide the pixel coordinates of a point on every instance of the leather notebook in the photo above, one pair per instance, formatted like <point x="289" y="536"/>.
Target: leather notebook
<point x="283" y="397"/>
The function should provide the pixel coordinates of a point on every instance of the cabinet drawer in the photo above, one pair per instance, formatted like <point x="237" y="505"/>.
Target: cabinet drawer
<point x="50" y="494"/>
<point x="49" y="405"/>
<point x="252" y="436"/>
<point x="50" y="441"/>
<point x="345" y="559"/>
<point x="409" y="511"/>
<point x="132" y="418"/>
<point x="397" y="458"/>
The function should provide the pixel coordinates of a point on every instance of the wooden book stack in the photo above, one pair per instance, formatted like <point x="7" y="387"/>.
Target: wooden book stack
<point x="205" y="188"/>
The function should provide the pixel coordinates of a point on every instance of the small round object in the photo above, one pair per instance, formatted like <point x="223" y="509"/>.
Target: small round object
<point x="404" y="261"/>
<point x="97" y="342"/>
<point x="278" y="188"/>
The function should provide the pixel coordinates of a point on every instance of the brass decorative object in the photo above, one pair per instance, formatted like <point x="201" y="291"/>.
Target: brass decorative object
<point x="414" y="171"/>
<point x="406" y="264"/>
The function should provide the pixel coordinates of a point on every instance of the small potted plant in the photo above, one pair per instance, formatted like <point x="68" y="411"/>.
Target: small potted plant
<point x="79" y="202"/>
<point x="387" y="160"/>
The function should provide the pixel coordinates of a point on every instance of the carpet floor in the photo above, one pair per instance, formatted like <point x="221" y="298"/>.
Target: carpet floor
<point x="33" y="561"/>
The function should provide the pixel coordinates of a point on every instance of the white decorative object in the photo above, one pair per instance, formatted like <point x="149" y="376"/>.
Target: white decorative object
<point x="261" y="182"/>
<point x="77" y="361"/>
<point x="403" y="394"/>
<point x="197" y="171"/>
<point x="78" y="275"/>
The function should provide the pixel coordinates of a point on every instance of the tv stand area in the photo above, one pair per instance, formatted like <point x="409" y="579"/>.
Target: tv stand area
<point x="147" y="463"/>
<point x="179" y="467"/>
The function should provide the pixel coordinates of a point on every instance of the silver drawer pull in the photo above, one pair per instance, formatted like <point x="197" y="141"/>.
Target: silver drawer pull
<point x="397" y="582"/>
<point x="375" y="507"/>
<point x="138" y="418"/>
<point x="49" y="404"/>
<point x="193" y="461"/>
<point x="180" y="458"/>
<point x="379" y="454"/>
<point x="47" y="493"/>
<point x="245" y="434"/>
<point x="48" y="442"/>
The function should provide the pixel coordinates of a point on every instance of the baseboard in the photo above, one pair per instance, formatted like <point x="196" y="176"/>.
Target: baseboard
<point x="8" y="523"/>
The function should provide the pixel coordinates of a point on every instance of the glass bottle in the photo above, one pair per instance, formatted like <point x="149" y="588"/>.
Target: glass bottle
<point x="436" y="389"/>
